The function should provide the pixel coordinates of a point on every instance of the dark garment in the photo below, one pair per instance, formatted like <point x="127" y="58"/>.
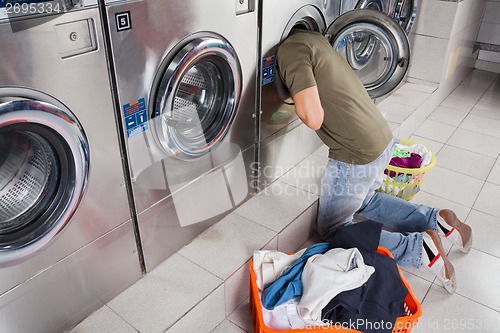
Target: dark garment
<point x="289" y="285"/>
<point x="414" y="161"/>
<point x="375" y="306"/>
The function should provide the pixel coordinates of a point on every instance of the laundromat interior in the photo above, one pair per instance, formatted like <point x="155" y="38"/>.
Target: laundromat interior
<point x="148" y="148"/>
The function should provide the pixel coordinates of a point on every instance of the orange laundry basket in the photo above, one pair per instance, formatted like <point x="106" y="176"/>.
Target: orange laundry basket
<point x="404" y="324"/>
<point x="406" y="184"/>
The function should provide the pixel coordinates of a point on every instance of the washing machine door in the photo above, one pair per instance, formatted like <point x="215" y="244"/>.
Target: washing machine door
<point x="405" y="13"/>
<point x="199" y="89"/>
<point x="44" y="164"/>
<point x="374" y="45"/>
<point x="380" y="5"/>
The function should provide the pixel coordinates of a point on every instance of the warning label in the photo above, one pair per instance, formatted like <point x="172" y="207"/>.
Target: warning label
<point x="136" y="117"/>
<point x="268" y="65"/>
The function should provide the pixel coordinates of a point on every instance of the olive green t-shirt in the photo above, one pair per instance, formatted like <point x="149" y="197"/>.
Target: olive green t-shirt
<point x="353" y="128"/>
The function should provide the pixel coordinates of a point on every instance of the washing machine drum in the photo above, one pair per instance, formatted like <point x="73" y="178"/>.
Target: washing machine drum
<point x="375" y="46"/>
<point x="44" y="162"/>
<point x="28" y="179"/>
<point x="405" y="14"/>
<point x="380" y="5"/>
<point x="199" y="89"/>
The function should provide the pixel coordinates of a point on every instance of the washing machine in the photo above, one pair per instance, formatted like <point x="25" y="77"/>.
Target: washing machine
<point x="374" y="45"/>
<point x="67" y="241"/>
<point x="402" y="11"/>
<point x="282" y="138"/>
<point x="185" y="75"/>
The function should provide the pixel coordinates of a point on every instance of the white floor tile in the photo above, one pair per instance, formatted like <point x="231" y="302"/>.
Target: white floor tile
<point x="452" y="186"/>
<point x="494" y="176"/>
<point x="236" y="287"/>
<point x="428" y="199"/>
<point x="419" y="286"/>
<point x="164" y="295"/>
<point x="480" y="79"/>
<point x="482" y="125"/>
<point x="488" y="200"/>
<point x="466" y="162"/>
<point x="205" y="316"/>
<point x="434" y="146"/>
<point x="299" y="231"/>
<point x="418" y="87"/>
<point x="396" y="113"/>
<point x="394" y="128"/>
<point x="487" y="110"/>
<point x="459" y="103"/>
<point x="448" y="116"/>
<point x="445" y="313"/>
<point x="241" y="317"/>
<point x="466" y="91"/>
<point x="483" y="239"/>
<point x="475" y="142"/>
<point x="103" y="320"/>
<point x="408" y="97"/>
<point x="227" y="327"/>
<point x="492" y="97"/>
<point x="277" y="206"/>
<point x="315" y="238"/>
<point x="307" y="174"/>
<point x="225" y="246"/>
<point x="435" y="131"/>
<point x="422" y="273"/>
<point x="474" y="267"/>
<point x="495" y="86"/>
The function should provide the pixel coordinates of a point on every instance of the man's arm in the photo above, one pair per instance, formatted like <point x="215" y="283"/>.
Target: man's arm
<point x="308" y="107"/>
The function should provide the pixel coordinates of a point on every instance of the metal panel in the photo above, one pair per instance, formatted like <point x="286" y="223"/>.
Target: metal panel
<point x="178" y="198"/>
<point x="67" y="292"/>
<point x="173" y="222"/>
<point x="60" y="286"/>
<point x="138" y="55"/>
<point x="277" y="158"/>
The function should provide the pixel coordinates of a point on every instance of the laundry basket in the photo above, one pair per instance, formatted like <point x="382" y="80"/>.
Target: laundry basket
<point x="405" y="183"/>
<point x="403" y="324"/>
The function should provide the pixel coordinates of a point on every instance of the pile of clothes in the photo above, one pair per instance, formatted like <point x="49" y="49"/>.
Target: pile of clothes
<point x="408" y="157"/>
<point x="344" y="283"/>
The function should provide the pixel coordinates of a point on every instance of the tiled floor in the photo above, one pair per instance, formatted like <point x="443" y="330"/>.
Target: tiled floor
<point x="464" y="132"/>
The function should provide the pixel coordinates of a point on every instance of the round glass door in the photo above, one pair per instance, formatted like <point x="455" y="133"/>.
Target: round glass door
<point x="374" y="45"/>
<point x="197" y="97"/>
<point x="379" y="5"/>
<point x="405" y="14"/>
<point x="44" y="162"/>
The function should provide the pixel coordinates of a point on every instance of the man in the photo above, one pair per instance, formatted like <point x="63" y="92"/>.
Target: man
<point x="330" y="99"/>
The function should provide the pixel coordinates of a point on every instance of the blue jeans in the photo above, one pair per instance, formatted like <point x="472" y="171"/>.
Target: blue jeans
<point x="348" y="189"/>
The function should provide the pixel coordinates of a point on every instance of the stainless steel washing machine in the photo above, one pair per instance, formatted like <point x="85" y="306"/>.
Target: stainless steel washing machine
<point x="373" y="44"/>
<point x="186" y="81"/>
<point x="402" y="11"/>
<point x="67" y="243"/>
<point x="282" y="139"/>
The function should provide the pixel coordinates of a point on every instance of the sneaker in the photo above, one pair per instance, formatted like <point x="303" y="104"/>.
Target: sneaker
<point x="451" y="228"/>
<point x="437" y="262"/>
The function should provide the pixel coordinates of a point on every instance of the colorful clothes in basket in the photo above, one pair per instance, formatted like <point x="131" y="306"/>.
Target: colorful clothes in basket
<point x="288" y="285"/>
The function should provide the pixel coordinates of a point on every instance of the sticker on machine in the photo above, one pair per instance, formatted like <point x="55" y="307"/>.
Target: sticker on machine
<point x="136" y="117"/>
<point x="268" y="69"/>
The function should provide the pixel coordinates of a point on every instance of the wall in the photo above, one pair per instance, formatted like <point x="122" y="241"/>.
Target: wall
<point x="443" y="52"/>
<point x="489" y="38"/>
<point x="443" y="43"/>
